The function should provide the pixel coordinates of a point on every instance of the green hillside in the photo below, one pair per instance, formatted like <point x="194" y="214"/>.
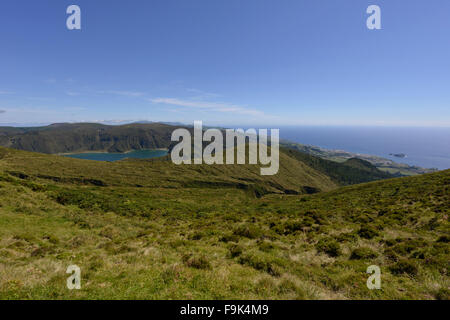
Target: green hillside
<point x="351" y="171"/>
<point x="78" y="137"/>
<point x="151" y="230"/>
<point x="82" y="137"/>
<point x="293" y="176"/>
<point x="383" y="164"/>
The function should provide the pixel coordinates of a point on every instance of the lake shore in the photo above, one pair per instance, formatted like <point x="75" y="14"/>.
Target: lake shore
<point x="105" y="151"/>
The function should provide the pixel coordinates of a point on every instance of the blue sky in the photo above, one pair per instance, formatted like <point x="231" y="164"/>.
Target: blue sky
<point x="261" y="62"/>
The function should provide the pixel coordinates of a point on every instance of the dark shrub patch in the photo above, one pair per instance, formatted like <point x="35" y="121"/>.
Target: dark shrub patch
<point x="445" y="239"/>
<point x="391" y="254"/>
<point x="367" y="232"/>
<point x="235" y="250"/>
<point x="432" y="224"/>
<point x="329" y="246"/>
<point x="200" y="262"/>
<point x="310" y="190"/>
<point x="443" y="294"/>
<point x="195" y="236"/>
<point x="392" y="242"/>
<point x="19" y="175"/>
<point x="364" y="218"/>
<point x="292" y="227"/>
<point x="347" y="237"/>
<point x="265" y="246"/>
<point x="363" y="253"/>
<point x="41" y="251"/>
<point x="248" y="231"/>
<point x="317" y="217"/>
<point x="229" y="238"/>
<point x="82" y="199"/>
<point x="277" y="228"/>
<point x="260" y="263"/>
<point x="307" y="221"/>
<point x="404" y="267"/>
<point x="408" y="245"/>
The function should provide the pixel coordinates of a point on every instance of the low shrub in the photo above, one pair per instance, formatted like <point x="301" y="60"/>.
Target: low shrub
<point x="248" y="231"/>
<point x="261" y="263"/>
<point x="445" y="239"/>
<point x="229" y="238"/>
<point x="363" y="253"/>
<point x="390" y="254"/>
<point x="443" y="294"/>
<point x="329" y="246"/>
<point x="235" y="250"/>
<point x="367" y="232"/>
<point x="196" y="236"/>
<point x="265" y="246"/>
<point x="317" y="217"/>
<point x="200" y="262"/>
<point x="347" y="237"/>
<point x="404" y="267"/>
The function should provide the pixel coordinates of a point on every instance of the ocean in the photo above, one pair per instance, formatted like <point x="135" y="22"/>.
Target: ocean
<point x="424" y="147"/>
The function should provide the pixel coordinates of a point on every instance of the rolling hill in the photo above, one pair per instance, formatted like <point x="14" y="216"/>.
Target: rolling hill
<point x="81" y="137"/>
<point x="351" y="171"/>
<point x="147" y="229"/>
<point x="78" y="137"/>
<point x="294" y="177"/>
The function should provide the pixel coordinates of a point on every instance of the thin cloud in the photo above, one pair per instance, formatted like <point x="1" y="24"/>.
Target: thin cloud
<point x="123" y="93"/>
<point x="214" y="106"/>
<point x="2" y="111"/>
<point x="40" y="98"/>
<point x="72" y="93"/>
<point x="201" y="95"/>
<point x="6" y="92"/>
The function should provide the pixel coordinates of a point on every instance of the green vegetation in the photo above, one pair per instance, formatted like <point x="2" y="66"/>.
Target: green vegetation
<point x="383" y="164"/>
<point x="87" y="137"/>
<point x="351" y="171"/>
<point x="79" y="137"/>
<point x="147" y="229"/>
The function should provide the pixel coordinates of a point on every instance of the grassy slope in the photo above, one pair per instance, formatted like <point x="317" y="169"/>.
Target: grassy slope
<point x="352" y="171"/>
<point x="146" y="235"/>
<point x="293" y="175"/>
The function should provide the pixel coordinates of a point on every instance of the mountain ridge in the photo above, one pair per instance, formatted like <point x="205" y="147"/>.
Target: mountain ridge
<point x="64" y="138"/>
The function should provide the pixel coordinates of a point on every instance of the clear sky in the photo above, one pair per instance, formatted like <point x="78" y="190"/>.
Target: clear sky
<point x="262" y="62"/>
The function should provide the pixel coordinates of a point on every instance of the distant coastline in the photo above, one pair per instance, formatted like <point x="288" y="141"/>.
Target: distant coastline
<point x="398" y="155"/>
<point x="422" y="147"/>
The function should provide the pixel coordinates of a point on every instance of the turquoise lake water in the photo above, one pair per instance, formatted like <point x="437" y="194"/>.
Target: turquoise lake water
<point x="110" y="157"/>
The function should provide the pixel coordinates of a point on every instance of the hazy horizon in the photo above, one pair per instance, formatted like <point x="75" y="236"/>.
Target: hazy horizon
<point x="218" y="124"/>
